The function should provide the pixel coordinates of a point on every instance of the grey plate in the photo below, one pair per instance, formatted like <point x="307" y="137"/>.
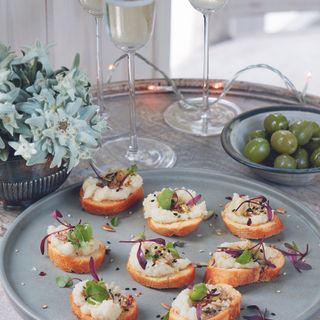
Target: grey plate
<point x="292" y="296"/>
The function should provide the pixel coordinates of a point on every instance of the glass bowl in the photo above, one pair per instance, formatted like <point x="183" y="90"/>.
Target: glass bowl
<point x="233" y="139"/>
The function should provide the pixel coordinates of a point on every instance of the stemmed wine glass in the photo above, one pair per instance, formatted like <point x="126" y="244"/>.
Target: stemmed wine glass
<point x="95" y="8"/>
<point x="130" y="25"/>
<point x="201" y="116"/>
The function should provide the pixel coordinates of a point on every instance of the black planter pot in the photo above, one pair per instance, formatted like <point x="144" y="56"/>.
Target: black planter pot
<point x="21" y="185"/>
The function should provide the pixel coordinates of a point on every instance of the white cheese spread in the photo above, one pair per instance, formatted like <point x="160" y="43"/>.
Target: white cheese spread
<point x="60" y="242"/>
<point x="97" y="193"/>
<point x="241" y="216"/>
<point x="160" y="267"/>
<point x="154" y="211"/>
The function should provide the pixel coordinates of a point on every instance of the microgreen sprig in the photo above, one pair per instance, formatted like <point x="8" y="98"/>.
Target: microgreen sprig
<point x="261" y="201"/>
<point x="296" y="257"/>
<point x="77" y="235"/>
<point x="260" y="316"/>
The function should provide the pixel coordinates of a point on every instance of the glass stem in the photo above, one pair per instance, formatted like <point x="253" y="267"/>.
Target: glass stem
<point x="206" y="82"/>
<point x="133" y="147"/>
<point x="98" y="21"/>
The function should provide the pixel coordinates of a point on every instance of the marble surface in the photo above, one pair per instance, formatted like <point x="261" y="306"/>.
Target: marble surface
<point x="192" y="151"/>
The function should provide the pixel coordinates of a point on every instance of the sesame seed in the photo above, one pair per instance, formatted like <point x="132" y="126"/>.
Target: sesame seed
<point x="17" y="251"/>
<point x="201" y="250"/>
<point x="210" y="253"/>
<point x="45" y="306"/>
<point x="278" y="291"/>
<point x="23" y="284"/>
<point x="34" y="269"/>
<point x="199" y="235"/>
<point x="111" y="260"/>
<point x="69" y="215"/>
<point x="284" y="274"/>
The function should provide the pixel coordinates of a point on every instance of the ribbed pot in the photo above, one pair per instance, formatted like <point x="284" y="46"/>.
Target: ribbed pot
<point x="21" y="185"/>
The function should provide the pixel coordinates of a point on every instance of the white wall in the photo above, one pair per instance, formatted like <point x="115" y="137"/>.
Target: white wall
<point x="72" y="30"/>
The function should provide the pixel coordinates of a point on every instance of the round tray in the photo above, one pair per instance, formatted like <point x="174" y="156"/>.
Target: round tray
<point x="292" y="295"/>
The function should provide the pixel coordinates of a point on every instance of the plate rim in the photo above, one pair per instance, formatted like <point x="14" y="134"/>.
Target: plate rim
<point x="24" y="310"/>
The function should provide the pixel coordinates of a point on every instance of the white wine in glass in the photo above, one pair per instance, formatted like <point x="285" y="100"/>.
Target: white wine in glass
<point x="130" y="25"/>
<point x="201" y="116"/>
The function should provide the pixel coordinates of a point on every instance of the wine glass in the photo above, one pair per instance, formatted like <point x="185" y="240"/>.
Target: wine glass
<point x="202" y="116"/>
<point x="130" y="25"/>
<point x="95" y="8"/>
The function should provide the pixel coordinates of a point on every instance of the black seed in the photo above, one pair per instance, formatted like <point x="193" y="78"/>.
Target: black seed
<point x="249" y="222"/>
<point x="273" y="314"/>
<point x="127" y="289"/>
<point x="152" y="200"/>
<point x="158" y="316"/>
<point x="117" y="268"/>
<point x="108" y="242"/>
<point x="134" y="289"/>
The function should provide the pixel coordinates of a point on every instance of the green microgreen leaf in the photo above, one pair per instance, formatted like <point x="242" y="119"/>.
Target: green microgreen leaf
<point x="166" y="316"/>
<point x="173" y="251"/>
<point x="132" y="170"/>
<point x="115" y="221"/>
<point x="80" y="235"/>
<point x="165" y="198"/>
<point x="150" y="256"/>
<point x="64" y="282"/>
<point x="139" y="236"/>
<point x="198" y="292"/>
<point x="245" y="257"/>
<point x="95" y="292"/>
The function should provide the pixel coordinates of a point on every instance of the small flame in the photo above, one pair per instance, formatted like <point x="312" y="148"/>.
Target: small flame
<point x="111" y="67"/>
<point x="151" y="87"/>
<point x="218" y="85"/>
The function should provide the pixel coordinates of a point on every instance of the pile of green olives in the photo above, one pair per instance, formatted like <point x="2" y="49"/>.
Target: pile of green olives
<point x="284" y="145"/>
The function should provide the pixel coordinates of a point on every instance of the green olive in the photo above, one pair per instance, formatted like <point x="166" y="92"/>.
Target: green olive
<point x="198" y="292"/>
<point x="274" y="122"/>
<point x="285" y="162"/>
<point x="256" y="134"/>
<point x="257" y="150"/>
<point x="315" y="158"/>
<point x="316" y="130"/>
<point x="284" y="141"/>
<point x="313" y="144"/>
<point x="302" y="158"/>
<point x="303" y="130"/>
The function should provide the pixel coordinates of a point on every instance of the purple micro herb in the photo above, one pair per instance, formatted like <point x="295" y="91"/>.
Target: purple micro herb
<point x="198" y="311"/>
<point x="296" y="257"/>
<point x="261" y="201"/>
<point x="55" y="214"/>
<point x="93" y="269"/>
<point x="141" y="257"/>
<point x="140" y="254"/>
<point x="260" y="316"/>
<point x="42" y="274"/>
<point x="194" y="200"/>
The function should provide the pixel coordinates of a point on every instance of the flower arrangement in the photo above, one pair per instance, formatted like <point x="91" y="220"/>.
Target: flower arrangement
<point x="46" y="114"/>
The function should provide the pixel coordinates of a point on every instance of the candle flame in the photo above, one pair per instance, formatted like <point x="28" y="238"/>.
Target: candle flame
<point x="111" y="67"/>
<point x="218" y="85"/>
<point x="151" y="87"/>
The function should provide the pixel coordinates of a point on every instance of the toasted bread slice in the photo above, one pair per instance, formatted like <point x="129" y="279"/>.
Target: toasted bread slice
<point x="176" y="280"/>
<point x="110" y="207"/>
<point x="238" y="277"/>
<point x="260" y="231"/>
<point x="130" y="314"/>
<point x="76" y="264"/>
<point x="231" y="313"/>
<point x="181" y="228"/>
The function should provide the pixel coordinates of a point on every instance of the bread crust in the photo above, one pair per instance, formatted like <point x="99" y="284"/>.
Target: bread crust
<point x="260" y="231"/>
<point x="76" y="264"/>
<point x="238" y="277"/>
<point x="131" y="314"/>
<point x="177" y="280"/>
<point x="110" y="207"/>
<point x="181" y="228"/>
<point x="231" y="313"/>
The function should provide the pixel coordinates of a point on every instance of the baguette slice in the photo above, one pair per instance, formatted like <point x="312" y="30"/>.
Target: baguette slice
<point x="238" y="277"/>
<point x="76" y="264"/>
<point x="231" y="313"/>
<point x="181" y="228"/>
<point x="176" y="280"/>
<point x="260" y="231"/>
<point x="110" y="207"/>
<point x="130" y="314"/>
